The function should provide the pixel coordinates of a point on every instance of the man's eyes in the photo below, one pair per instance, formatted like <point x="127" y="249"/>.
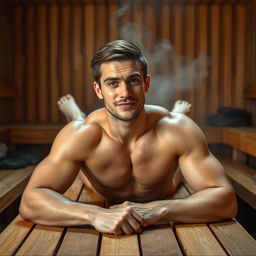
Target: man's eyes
<point x="135" y="81"/>
<point x="113" y="83"/>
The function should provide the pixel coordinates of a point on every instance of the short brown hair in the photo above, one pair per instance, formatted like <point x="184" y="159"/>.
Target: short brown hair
<point x="117" y="50"/>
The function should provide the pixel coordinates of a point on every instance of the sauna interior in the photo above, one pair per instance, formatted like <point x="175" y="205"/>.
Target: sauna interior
<point x="203" y="52"/>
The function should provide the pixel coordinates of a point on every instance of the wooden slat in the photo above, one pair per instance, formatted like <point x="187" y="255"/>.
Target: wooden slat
<point x="203" y="49"/>
<point x="243" y="139"/>
<point x="240" y="56"/>
<point x="152" y="242"/>
<point x="215" y="57"/>
<point x="83" y="240"/>
<point x="197" y="239"/>
<point x="227" y="54"/>
<point x="89" y="27"/>
<point x="43" y="240"/>
<point x="19" y="64"/>
<point x="12" y="184"/>
<point x="6" y="91"/>
<point x="30" y="65"/>
<point x="119" y="245"/>
<point x="13" y="235"/>
<point x="190" y="44"/>
<point x="178" y="44"/>
<point x="33" y="134"/>
<point x="234" y="238"/>
<point x="242" y="180"/>
<point x="54" y="44"/>
<point x="65" y="49"/>
<point x="42" y="54"/>
<point x="76" y="29"/>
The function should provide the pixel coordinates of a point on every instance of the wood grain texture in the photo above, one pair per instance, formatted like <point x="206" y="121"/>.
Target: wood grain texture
<point x="13" y="235"/>
<point x="54" y="58"/>
<point x="119" y="245"/>
<point x="12" y="184"/>
<point x="232" y="235"/>
<point x="197" y="239"/>
<point x="152" y="242"/>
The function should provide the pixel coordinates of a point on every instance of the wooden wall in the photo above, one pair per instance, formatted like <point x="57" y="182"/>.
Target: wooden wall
<point x="6" y="63"/>
<point x="201" y="52"/>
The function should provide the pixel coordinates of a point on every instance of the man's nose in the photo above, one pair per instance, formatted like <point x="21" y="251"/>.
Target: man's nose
<point x="124" y="90"/>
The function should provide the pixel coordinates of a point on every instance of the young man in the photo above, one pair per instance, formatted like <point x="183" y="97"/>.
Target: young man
<point x="129" y="152"/>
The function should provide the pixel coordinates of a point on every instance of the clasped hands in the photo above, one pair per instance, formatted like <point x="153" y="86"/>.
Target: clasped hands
<point x="126" y="218"/>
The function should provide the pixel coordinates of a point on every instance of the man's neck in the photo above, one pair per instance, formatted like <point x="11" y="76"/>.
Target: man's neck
<point x="127" y="131"/>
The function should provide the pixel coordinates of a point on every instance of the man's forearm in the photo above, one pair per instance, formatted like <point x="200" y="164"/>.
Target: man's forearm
<point x="208" y="205"/>
<point x="47" y="207"/>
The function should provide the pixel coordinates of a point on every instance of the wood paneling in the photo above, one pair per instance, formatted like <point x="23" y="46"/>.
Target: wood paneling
<point x="210" y="59"/>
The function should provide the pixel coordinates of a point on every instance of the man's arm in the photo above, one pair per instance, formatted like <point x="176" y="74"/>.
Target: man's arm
<point x="214" y="198"/>
<point x="42" y="201"/>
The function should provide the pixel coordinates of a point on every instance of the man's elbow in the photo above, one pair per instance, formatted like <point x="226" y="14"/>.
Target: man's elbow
<point x="231" y="207"/>
<point x="25" y="211"/>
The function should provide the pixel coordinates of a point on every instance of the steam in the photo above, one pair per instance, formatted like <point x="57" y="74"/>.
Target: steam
<point x="169" y="70"/>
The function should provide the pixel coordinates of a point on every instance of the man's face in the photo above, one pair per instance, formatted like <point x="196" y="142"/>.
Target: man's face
<point x="122" y="88"/>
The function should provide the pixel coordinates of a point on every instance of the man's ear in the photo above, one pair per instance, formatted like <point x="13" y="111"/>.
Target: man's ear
<point x="147" y="83"/>
<point x="97" y="90"/>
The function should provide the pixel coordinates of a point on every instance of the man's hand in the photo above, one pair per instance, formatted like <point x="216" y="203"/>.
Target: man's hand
<point x="124" y="220"/>
<point x="149" y="212"/>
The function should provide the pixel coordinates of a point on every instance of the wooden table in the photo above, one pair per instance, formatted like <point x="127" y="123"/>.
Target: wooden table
<point x="222" y="238"/>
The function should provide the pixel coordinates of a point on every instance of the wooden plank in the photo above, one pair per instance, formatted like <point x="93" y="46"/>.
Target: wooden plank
<point x="6" y="90"/>
<point x="138" y="21"/>
<point x="234" y="238"/>
<point x="82" y="240"/>
<point x="215" y="57"/>
<point x="213" y="134"/>
<point x="227" y="54"/>
<point x="30" y="65"/>
<point x="119" y="245"/>
<point x="178" y="44"/>
<point x="12" y="185"/>
<point x="240" y="55"/>
<point x="241" y="138"/>
<point x="43" y="240"/>
<point x="190" y="44"/>
<point x="159" y="240"/>
<point x="42" y="47"/>
<point x="76" y="53"/>
<point x="89" y="26"/>
<point x="33" y="135"/>
<point x="54" y="81"/>
<point x="203" y="49"/>
<point x="65" y="48"/>
<point x="13" y="235"/>
<point x="19" y="63"/>
<point x="113" y="26"/>
<point x="242" y="180"/>
<point x="197" y="239"/>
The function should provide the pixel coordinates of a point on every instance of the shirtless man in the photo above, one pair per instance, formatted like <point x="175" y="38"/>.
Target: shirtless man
<point x="128" y="151"/>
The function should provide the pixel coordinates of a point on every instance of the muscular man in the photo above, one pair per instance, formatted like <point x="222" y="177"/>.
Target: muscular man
<point x="128" y="151"/>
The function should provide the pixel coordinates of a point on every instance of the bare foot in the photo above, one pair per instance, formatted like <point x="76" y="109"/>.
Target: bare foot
<point x="181" y="106"/>
<point x="70" y="109"/>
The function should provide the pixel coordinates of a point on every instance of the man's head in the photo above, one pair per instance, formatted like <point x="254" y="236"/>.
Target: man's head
<point x="117" y="50"/>
<point x="121" y="80"/>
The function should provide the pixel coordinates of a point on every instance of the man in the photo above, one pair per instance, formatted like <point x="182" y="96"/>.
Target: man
<point x="129" y="152"/>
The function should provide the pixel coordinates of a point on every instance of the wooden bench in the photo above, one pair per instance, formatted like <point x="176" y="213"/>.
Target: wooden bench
<point x="12" y="184"/>
<point x="220" y="238"/>
<point x="243" y="143"/>
<point x="240" y="139"/>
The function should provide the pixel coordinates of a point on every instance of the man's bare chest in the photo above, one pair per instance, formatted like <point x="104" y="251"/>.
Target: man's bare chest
<point x="146" y="162"/>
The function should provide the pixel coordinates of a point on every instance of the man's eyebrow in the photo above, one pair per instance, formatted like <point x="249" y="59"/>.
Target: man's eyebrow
<point x="118" y="78"/>
<point x="111" y="79"/>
